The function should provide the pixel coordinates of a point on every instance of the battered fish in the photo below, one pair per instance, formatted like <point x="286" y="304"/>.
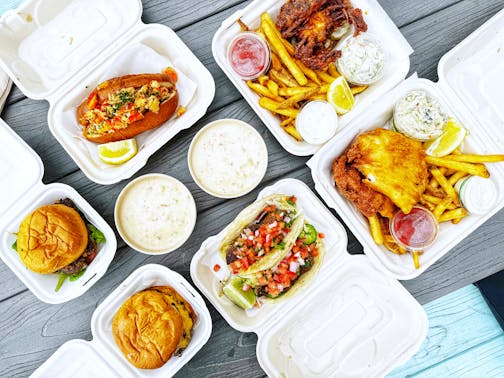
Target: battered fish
<point x="389" y="164"/>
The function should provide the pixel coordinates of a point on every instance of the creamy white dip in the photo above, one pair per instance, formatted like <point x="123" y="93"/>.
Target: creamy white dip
<point x="317" y="122"/>
<point x="362" y="60"/>
<point x="228" y="158"/>
<point x="155" y="213"/>
<point x="419" y="116"/>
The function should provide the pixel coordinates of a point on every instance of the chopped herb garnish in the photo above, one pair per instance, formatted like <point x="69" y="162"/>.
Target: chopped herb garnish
<point x="72" y="277"/>
<point x="96" y="234"/>
<point x="291" y="202"/>
<point x="14" y="246"/>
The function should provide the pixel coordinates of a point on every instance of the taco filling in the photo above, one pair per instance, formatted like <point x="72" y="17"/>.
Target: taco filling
<point x="301" y="258"/>
<point x="266" y="233"/>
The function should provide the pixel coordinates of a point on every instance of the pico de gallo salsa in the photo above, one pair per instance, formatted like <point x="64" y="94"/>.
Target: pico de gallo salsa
<point x="276" y="281"/>
<point x="260" y="237"/>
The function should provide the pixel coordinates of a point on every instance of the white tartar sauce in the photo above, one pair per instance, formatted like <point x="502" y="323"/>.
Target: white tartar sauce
<point x="317" y="122"/>
<point x="419" y="116"/>
<point x="155" y="213"/>
<point x="228" y="158"/>
<point x="362" y="60"/>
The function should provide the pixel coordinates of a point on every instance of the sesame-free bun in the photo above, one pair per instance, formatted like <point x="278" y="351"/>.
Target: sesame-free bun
<point x="51" y="237"/>
<point x="152" y="325"/>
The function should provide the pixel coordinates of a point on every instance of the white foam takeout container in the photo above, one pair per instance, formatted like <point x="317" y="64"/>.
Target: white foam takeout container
<point x="469" y="89"/>
<point x="22" y="191"/>
<point x="380" y="26"/>
<point x="101" y="357"/>
<point x="349" y="320"/>
<point x="61" y="50"/>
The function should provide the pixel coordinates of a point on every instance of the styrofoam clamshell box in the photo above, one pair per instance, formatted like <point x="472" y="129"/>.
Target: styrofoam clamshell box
<point x="101" y="357"/>
<point x="60" y="50"/>
<point x="349" y="320"/>
<point x="470" y="90"/>
<point x="380" y="26"/>
<point x="22" y="191"/>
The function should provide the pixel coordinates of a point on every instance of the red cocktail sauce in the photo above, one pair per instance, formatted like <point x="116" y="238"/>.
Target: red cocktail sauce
<point x="415" y="230"/>
<point x="249" y="55"/>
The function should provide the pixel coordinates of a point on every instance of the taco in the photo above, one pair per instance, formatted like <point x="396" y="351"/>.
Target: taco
<point x="261" y="235"/>
<point x="300" y="263"/>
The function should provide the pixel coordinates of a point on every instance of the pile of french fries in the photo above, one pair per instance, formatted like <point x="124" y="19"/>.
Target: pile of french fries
<point x="440" y="196"/>
<point x="289" y="83"/>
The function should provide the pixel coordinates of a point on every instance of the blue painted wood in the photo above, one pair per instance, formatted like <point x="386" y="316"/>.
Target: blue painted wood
<point x="464" y="339"/>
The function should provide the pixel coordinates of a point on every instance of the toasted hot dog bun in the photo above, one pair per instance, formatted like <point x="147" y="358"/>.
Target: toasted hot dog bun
<point x="150" y="119"/>
<point x="51" y="237"/>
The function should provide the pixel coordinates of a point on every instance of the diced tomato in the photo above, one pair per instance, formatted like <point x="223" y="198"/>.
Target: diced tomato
<point x="92" y="100"/>
<point x="292" y="275"/>
<point x="315" y="253"/>
<point x="321" y="235"/>
<point x="135" y="117"/>
<point x="216" y="267"/>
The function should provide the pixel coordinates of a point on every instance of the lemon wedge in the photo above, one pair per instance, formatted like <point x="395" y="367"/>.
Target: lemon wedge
<point x="340" y="95"/>
<point x="117" y="152"/>
<point x="233" y="289"/>
<point x="453" y="135"/>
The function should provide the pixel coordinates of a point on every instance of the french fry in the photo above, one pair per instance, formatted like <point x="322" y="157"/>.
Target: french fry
<point x="441" y="207"/>
<point x="416" y="259"/>
<point x="391" y="245"/>
<point x="453" y="214"/>
<point x="297" y="98"/>
<point x="263" y="79"/>
<point x="436" y="192"/>
<point x="319" y="97"/>
<point x="308" y="72"/>
<point x="276" y="43"/>
<point x="291" y="130"/>
<point x="325" y="77"/>
<point x="456" y="177"/>
<point x="288" y="46"/>
<point x="376" y="231"/>
<point x="443" y="182"/>
<point x="457" y="220"/>
<point x="288" y="92"/>
<point x="357" y="90"/>
<point x="467" y="158"/>
<point x="472" y="169"/>
<point x="283" y="77"/>
<point x="331" y="70"/>
<point x="275" y="62"/>
<point x="272" y="106"/>
<point x="263" y="91"/>
<point x="243" y="26"/>
<point x="286" y="121"/>
<point x="272" y="86"/>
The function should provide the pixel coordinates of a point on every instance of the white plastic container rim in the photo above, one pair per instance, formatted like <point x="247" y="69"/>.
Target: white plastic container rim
<point x="470" y="90"/>
<point x="102" y="357"/>
<point x="359" y="311"/>
<point x="379" y="25"/>
<point x="22" y="191"/>
<point x="59" y="50"/>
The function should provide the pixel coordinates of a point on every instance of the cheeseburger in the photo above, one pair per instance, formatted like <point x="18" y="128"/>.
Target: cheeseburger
<point x="152" y="325"/>
<point x="57" y="238"/>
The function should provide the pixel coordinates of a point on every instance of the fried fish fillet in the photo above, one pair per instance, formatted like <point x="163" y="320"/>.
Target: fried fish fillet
<point x="392" y="165"/>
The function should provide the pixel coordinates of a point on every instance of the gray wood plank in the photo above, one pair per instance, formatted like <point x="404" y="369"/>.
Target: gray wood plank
<point x="404" y="12"/>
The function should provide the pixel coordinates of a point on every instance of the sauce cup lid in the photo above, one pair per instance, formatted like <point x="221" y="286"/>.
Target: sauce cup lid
<point x="190" y="221"/>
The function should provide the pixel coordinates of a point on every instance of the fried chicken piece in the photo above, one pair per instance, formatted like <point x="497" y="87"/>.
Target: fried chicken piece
<point x="312" y="23"/>
<point x="392" y="165"/>
<point x="349" y="183"/>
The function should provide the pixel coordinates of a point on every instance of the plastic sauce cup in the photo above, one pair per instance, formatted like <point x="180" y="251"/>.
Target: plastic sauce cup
<point x="317" y="122"/>
<point x="478" y="195"/>
<point x="414" y="231"/>
<point x="249" y="55"/>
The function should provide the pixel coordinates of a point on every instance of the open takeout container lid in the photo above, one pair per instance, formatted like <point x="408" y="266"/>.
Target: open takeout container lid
<point x="22" y="191"/>
<point x="468" y="94"/>
<point x="61" y="50"/>
<point x="101" y="356"/>
<point x="349" y="320"/>
<point x="380" y="25"/>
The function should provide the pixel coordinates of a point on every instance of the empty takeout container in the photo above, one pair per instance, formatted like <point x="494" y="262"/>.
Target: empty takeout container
<point x="61" y="50"/>
<point x="101" y="357"/>
<point x="380" y="25"/>
<point x="349" y="320"/>
<point x="470" y="89"/>
<point x="22" y="191"/>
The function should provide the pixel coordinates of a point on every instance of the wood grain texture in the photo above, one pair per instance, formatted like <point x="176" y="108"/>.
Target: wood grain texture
<point x="460" y="323"/>
<point x="31" y="331"/>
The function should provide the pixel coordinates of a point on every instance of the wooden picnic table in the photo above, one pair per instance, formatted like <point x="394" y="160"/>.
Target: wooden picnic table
<point x="30" y="330"/>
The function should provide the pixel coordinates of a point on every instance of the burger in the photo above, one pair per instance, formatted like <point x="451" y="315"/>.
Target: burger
<point x="153" y="325"/>
<point x="58" y="238"/>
